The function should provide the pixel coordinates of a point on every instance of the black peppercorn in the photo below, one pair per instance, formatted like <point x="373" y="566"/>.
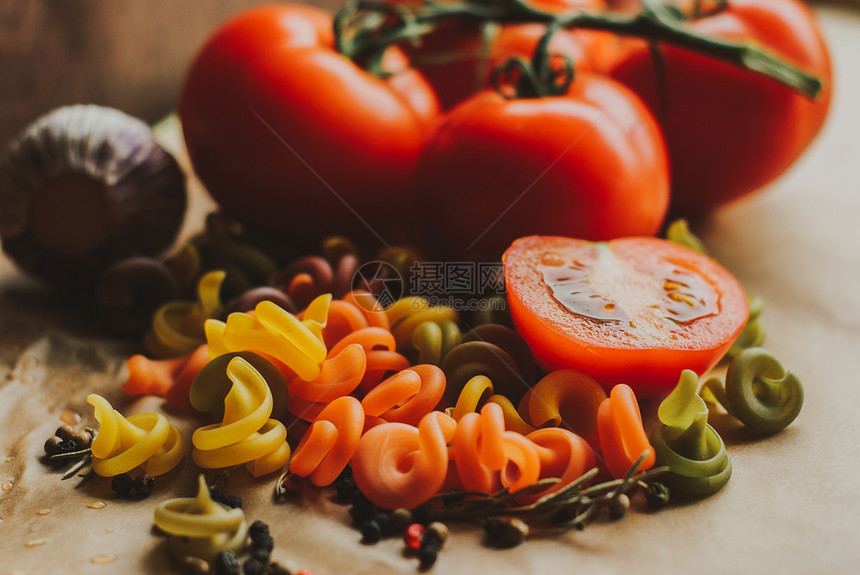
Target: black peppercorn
<point x="233" y="501"/>
<point x="362" y="509"/>
<point x="263" y="542"/>
<point x="254" y="567"/>
<point x="257" y="529"/>
<point x="385" y="524"/>
<point x="261" y="555"/>
<point x="346" y="490"/>
<point x="423" y="514"/>
<point x="370" y="531"/>
<point x="226" y="563"/>
<point x="143" y="484"/>
<point x="217" y="496"/>
<point x="494" y="529"/>
<point x="122" y="484"/>
<point x="427" y="556"/>
<point x="657" y="495"/>
<point x="278" y="569"/>
<point x="67" y="446"/>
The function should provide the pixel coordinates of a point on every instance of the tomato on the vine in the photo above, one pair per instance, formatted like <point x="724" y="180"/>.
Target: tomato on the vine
<point x="637" y="311"/>
<point x="295" y="139"/>
<point x="458" y="57"/>
<point x="729" y="131"/>
<point x="589" y="163"/>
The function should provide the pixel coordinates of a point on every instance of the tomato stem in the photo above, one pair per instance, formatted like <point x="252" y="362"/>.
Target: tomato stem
<point x="364" y="29"/>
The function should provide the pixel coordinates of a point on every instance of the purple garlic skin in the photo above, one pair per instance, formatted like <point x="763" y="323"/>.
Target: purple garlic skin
<point x="83" y="187"/>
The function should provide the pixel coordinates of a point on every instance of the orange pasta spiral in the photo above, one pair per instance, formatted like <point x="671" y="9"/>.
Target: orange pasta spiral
<point x="406" y="396"/>
<point x="330" y="442"/>
<point x="398" y="465"/>
<point x="622" y="437"/>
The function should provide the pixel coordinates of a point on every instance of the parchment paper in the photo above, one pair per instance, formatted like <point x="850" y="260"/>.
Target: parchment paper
<point x="790" y="507"/>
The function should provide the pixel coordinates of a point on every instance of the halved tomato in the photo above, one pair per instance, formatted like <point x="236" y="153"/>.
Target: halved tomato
<point x="632" y="310"/>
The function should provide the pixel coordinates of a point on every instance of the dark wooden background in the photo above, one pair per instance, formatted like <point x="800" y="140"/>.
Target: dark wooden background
<point x="130" y="54"/>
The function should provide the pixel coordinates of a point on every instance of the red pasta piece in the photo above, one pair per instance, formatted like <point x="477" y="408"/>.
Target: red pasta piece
<point x="398" y="465"/>
<point x="152" y="376"/>
<point x="330" y="442"/>
<point x="622" y="437"/>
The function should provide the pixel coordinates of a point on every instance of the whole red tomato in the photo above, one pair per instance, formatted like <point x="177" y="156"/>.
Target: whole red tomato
<point x="293" y="138"/>
<point x="730" y="131"/>
<point x="590" y="164"/>
<point x="456" y="62"/>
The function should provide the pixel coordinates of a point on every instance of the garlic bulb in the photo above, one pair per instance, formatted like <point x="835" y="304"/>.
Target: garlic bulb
<point x="85" y="186"/>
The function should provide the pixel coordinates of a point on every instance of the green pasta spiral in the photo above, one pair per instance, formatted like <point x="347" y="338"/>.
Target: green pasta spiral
<point x="759" y="391"/>
<point x="694" y="452"/>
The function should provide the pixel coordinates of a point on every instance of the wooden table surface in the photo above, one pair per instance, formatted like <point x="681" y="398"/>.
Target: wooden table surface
<point x="790" y="507"/>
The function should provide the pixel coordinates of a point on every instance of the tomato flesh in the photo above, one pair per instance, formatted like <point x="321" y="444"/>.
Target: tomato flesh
<point x="632" y="310"/>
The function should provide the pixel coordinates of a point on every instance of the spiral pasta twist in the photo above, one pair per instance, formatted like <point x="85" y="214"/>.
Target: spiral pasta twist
<point x="311" y="276"/>
<point x="178" y="326"/>
<point x="693" y="450"/>
<point x="171" y="378"/>
<point x="398" y="465"/>
<point x="486" y="456"/>
<point x="146" y="440"/>
<point x="200" y="527"/>
<point x="378" y="345"/>
<point x="753" y="333"/>
<point x="433" y="340"/>
<point x="329" y="444"/>
<point x="473" y="358"/>
<point x="759" y="391"/>
<point x="566" y="397"/>
<point x="245" y="434"/>
<point x="407" y="396"/>
<point x="341" y="373"/>
<point x="470" y="398"/>
<point x="622" y="438"/>
<point x="298" y="344"/>
<point x="408" y="313"/>
<point x="562" y="454"/>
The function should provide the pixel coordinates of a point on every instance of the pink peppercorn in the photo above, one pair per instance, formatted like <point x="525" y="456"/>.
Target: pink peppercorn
<point x="304" y="572"/>
<point x="413" y="536"/>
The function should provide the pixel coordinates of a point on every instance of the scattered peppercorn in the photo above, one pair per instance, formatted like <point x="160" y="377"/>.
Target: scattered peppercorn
<point x="66" y="433"/>
<point x="504" y="533"/>
<point x="257" y="529"/>
<point x="67" y="446"/>
<point x="217" y="496"/>
<point x="423" y="514"/>
<point x="122" y="484"/>
<point x="276" y="568"/>
<point x="84" y="438"/>
<point x="254" y="567"/>
<point x="413" y="536"/>
<point x="226" y="563"/>
<point x="263" y="542"/>
<point x="261" y="555"/>
<point x="143" y="484"/>
<point x="362" y="509"/>
<point x="657" y="495"/>
<point x="385" y="523"/>
<point x="400" y="519"/>
<point x="52" y="446"/>
<point x="563" y="515"/>
<point x="233" y="501"/>
<point x="370" y="532"/>
<point x="427" y="556"/>
<point x="438" y="532"/>
<point x="618" y="506"/>
<point x="345" y="490"/>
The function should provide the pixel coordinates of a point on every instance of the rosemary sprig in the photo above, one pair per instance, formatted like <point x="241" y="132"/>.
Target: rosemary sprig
<point x="582" y="502"/>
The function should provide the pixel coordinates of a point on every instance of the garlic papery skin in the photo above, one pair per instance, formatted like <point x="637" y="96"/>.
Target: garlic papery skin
<point x="83" y="187"/>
